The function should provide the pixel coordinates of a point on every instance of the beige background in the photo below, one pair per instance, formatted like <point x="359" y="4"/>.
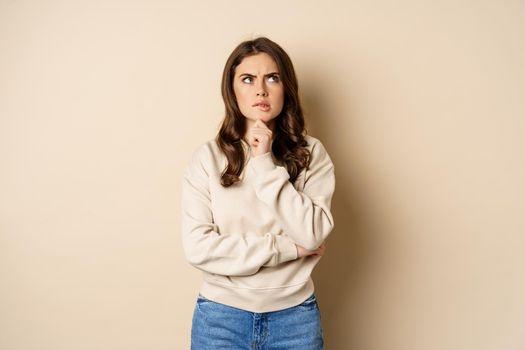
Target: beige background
<point x="420" y="104"/>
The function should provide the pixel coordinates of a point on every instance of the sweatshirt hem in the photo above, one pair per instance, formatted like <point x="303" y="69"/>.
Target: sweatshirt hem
<point x="255" y="288"/>
<point x="266" y="299"/>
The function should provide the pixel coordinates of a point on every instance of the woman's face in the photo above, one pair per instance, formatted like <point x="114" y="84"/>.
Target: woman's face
<point x="258" y="88"/>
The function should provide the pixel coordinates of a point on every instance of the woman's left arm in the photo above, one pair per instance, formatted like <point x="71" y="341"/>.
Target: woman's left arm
<point x="305" y="215"/>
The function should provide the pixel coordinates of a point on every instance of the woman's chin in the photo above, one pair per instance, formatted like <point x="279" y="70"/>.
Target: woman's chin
<point x="264" y="117"/>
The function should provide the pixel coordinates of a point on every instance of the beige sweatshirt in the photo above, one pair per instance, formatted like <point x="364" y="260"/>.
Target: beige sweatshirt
<point x="243" y="237"/>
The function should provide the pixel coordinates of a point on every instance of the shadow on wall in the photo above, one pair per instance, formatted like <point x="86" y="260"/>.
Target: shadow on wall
<point x="341" y="274"/>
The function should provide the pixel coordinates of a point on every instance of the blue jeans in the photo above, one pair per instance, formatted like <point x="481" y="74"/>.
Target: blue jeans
<point x="217" y="326"/>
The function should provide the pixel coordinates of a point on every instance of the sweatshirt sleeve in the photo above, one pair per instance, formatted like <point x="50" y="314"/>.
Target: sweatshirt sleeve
<point x="304" y="215"/>
<point x="222" y="253"/>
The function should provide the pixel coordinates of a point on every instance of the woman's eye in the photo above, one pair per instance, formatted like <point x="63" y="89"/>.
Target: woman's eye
<point x="247" y="79"/>
<point x="273" y="78"/>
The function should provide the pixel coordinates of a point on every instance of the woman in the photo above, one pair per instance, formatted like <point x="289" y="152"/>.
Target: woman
<point x="256" y="211"/>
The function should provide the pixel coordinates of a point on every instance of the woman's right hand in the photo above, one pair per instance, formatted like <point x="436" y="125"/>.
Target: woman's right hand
<point x="302" y="252"/>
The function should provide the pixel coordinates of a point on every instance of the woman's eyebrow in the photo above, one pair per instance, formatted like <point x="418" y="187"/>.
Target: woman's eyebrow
<point x="252" y="75"/>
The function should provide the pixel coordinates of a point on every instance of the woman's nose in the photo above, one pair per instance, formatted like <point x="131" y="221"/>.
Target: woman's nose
<point x="261" y="90"/>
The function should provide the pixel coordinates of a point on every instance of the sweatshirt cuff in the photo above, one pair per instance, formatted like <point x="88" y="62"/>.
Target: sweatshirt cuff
<point x="287" y="250"/>
<point x="263" y="162"/>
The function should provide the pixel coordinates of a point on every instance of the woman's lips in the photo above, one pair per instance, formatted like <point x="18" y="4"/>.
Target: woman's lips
<point x="263" y="107"/>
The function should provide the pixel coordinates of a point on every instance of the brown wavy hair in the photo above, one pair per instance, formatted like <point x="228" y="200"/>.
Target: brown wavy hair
<point x="289" y="145"/>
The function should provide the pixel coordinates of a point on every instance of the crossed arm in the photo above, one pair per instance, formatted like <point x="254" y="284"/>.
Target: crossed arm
<point x="305" y="216"/>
